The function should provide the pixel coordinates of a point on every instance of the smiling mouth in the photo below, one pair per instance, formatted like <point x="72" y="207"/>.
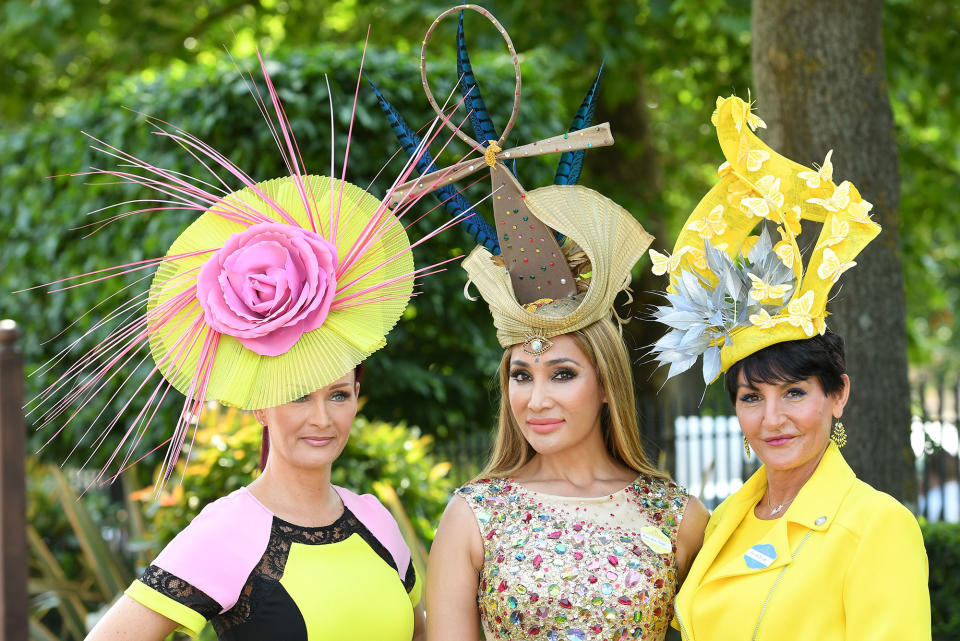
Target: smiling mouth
<point x="778" y="440"/>
<point x="317" y="441"/>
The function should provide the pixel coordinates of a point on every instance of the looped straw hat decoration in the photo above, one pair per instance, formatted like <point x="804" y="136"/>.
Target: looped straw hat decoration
<point x="733" y="292"/>
<point x="556" y="257"/>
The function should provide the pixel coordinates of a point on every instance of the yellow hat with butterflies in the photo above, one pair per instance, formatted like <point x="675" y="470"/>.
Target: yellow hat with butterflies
<point x="733" y="290"/>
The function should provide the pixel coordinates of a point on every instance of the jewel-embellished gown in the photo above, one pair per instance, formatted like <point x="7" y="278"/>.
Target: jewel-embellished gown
<point x="570" y="568"/>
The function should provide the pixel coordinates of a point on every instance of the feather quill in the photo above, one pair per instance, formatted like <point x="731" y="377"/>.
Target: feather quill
<point x="453" y="201"/>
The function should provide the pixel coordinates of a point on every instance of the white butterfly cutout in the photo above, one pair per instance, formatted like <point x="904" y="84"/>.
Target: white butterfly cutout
<point x="713" y="224"/>
<point x="764" y="320"/>
<point x="799" y="313"/>
<point x="839" y="230"/>
<point x="771" y="199"/>
<point x="860" y="212"/>
<point x="764" y="291"/>
<point x="831" y="267"/>
<point x="824" y="173"/>
<point x="696" y="256"/>
<point x="742" y="112"/>
<point x="838" y="201"/>
<point x="784" y="251"/>
<point x="754" y="159"/>
<point x="662" y="263"/>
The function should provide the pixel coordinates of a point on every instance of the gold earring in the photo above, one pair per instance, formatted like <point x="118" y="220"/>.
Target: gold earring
<point x="746" y="447"/>
<point x="839" y="435"/>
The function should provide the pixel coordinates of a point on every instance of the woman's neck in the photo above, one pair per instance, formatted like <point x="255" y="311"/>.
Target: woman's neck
<point x="300" y="496"/>
<point x="784" y="485"/>
<point x="586" y="469"/>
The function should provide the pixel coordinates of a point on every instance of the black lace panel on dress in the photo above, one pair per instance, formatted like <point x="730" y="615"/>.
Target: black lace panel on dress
<point x="180" y="591"/>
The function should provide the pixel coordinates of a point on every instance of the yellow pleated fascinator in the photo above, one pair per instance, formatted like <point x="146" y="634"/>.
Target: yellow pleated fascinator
<point x="733" y="291"/>
<point x="277" y="288"/>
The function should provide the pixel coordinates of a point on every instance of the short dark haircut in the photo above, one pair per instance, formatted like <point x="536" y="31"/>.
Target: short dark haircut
<point x="792" y="361"/>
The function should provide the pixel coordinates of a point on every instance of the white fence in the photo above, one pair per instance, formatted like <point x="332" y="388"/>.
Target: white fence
<point x="935" y="445"/>
<point x="710" y="459"/>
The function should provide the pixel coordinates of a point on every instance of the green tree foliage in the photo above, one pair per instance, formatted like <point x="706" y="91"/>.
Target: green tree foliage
<point x="943" y="550"/>
<point x="921" y="44"/>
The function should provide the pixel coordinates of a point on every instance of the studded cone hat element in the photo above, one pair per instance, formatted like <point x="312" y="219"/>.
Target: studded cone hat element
<point x="609" y="236"/>
<point x="510" y="209"/>
<point x="560" y="254"/>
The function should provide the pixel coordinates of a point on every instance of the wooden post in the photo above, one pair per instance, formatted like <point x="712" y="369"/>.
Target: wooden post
<point x="13" y="496"/>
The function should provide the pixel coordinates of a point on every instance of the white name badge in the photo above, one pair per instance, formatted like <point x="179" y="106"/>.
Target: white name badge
<point x="656" y="540"/>
<point x="760" y="556"/>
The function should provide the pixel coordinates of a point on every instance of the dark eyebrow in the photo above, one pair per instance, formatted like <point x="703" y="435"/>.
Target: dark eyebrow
<point x="558" y="361"/>
<point x="338" y="385"/>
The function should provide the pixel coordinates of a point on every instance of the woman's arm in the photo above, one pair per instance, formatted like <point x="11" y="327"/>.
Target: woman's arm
<point x="453" y="576"/>
<point x="690" y="536"/>
<point x="419" y="623"/>
<point x="128" y="620"/>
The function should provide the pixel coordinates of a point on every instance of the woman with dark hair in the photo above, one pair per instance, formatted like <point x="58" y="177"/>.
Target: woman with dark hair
<point x="803" y="550"/>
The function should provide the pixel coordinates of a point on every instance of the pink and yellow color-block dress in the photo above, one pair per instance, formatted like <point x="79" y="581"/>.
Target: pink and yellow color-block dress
<point x="255" y="576"/>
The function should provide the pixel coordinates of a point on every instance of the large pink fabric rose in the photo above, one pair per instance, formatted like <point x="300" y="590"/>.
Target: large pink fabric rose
<point x="268" y="285"/>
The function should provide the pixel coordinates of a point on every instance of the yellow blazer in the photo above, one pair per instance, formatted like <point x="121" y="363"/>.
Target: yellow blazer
<point x="850" y="562"/>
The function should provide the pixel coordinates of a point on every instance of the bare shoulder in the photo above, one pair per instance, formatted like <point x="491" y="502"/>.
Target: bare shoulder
<point x="690" y="533"/>
<point x="458" y="530"/>
<point x="695" y="517"/>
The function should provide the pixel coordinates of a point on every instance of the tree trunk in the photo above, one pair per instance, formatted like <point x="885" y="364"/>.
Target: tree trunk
<point x="820" y="84"/>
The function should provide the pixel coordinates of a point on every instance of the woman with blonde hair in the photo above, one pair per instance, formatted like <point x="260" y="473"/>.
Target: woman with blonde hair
<point x="569" y="530"/>
<point x="569" y="533"/>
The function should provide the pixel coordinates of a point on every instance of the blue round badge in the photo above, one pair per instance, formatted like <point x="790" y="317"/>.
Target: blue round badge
<point x="760" y="556"/>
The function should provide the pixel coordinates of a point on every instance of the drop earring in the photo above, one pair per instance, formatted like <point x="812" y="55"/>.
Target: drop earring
<point x="839" y="435"/>
<point x="746" y="447"/>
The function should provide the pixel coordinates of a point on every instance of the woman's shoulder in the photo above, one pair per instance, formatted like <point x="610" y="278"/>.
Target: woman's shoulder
<point x="238" y="512"/>
<point x="662" y="485"/>
<point x="379" y="521"/>
<point x="220" y="547"/>
<point x="480" y="490"/>
<point x="866" y="507"/>
<point x="661" y="493"/>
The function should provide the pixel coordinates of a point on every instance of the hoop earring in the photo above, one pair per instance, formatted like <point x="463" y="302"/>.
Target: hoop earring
<point x="746" y="447"/>
<point x="838" y="435"/>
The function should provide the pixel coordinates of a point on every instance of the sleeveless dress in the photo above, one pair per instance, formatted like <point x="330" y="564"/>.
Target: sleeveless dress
<point x="571" y="568"/>
<point x="255" y="576"/>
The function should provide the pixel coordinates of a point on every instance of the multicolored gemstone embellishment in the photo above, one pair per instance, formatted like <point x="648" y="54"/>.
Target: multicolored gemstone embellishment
<point x="553" y="571"/>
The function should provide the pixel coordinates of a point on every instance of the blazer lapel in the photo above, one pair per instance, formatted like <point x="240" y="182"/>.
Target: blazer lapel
<point x="814" y="509"/>
<point x="728" y="515"/>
